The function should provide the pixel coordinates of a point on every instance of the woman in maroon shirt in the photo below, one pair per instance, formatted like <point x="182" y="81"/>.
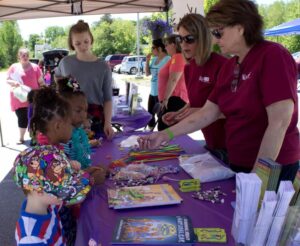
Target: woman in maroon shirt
<point x="256" y="91"/>
<point x="200" y="75"/>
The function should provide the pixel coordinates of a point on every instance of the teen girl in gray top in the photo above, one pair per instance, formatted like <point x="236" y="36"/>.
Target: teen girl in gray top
<point x="93" y="75"/>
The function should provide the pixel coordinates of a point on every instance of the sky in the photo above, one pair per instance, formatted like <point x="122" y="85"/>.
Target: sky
<point x="38" y="26"/>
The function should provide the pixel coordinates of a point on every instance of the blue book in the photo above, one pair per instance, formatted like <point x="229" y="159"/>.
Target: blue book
<point x="154" y="230"/>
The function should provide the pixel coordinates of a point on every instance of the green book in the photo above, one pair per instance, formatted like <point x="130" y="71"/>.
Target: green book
<point x="211" y="235"/>
<point x="268" y="171"/>
<point x="296" y="184"/>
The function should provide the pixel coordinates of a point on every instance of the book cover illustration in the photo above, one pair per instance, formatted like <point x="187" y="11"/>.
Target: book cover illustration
<point x="154" y="230"/>
<point x="142" y="196"/>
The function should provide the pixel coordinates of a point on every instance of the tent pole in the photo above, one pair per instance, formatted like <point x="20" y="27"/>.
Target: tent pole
<point x="1" y="137"/>
<point x="139" y="61"/>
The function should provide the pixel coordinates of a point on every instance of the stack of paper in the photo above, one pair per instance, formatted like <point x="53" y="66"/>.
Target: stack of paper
<point x="248" y="188"/>
<point x="269" y="172"/>
<point x="284" y="196"/>
<point x="264" y="220"/>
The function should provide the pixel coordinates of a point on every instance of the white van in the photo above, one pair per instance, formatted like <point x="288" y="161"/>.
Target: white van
<point x="130" y="64"/>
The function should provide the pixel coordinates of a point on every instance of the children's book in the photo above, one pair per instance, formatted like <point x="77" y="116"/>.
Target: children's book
<point x="142" y="196"/>
<point x="154" y="230"/>
<point x="268" y="171"/>
<point x="296" y="184"/>
<point x="211" y="235"/>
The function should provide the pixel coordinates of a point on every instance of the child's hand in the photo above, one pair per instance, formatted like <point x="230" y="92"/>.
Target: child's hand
<point x="95" y="142"/>
<point x="75" y="165"/>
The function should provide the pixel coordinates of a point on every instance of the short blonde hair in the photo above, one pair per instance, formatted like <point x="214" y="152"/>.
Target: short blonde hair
<point x="197" y="26"/>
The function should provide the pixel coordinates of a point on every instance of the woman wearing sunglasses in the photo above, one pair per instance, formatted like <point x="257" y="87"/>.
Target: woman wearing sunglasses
<point x="256" y="91"/>
<point x="200" y="76"/>
<point x="171" y="84"/>
<point x="160" y="58"/>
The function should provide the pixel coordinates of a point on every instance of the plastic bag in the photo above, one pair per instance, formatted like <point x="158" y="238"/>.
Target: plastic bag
<point x="204" y="167"/>
<point x="21" y="92"/>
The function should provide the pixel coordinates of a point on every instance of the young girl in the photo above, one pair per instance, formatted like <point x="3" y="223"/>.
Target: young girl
<point x="78" y="148"/>
<point x="52" y="124"/>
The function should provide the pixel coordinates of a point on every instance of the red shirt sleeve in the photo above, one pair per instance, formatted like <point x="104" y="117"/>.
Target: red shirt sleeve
<point x="278" y="76"/>
<point x="177" y="63"/>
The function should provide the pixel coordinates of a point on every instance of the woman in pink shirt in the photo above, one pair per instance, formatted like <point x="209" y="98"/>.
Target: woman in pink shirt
<point x="172" y="93"/>
<point x="23" y="73"/>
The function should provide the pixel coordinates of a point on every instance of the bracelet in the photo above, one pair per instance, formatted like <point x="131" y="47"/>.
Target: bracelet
<point x="170" y="133"/>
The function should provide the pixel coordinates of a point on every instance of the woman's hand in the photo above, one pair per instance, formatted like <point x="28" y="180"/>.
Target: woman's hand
<point x="13" y="83"/>
<point x="148" y="57"/>
<point x="109" y="132"/>
<point x="183" y="114"/>
<point x="170" y="118"/>
<point x="153" y="141"/>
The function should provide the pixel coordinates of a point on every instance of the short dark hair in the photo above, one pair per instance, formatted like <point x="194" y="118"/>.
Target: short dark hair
<point x="241" y="12"/>
<point x="158" y="43"/>
<point x="171" y="39"/>
<point x="79" y="27"/>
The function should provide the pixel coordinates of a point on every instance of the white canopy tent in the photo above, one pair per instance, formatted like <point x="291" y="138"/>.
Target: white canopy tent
<point x="31" y="9"/>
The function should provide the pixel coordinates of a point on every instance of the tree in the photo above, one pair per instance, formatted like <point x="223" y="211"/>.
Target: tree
<point x="116" y="37"/>
<point x="60" y="42"/>
<point x="208" y="4"/>
<point x="10" y="41"/>
<point x="33" y="40"/>
<point x="52" y="32"/>
<point x="280" y="12"/>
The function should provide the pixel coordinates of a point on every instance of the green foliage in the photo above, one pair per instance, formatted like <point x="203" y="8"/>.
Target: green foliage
<point x="208" y="3"/>
<point x="116" y="37"/>
<point x="10" y="42"/>
<point x="278" y="13"/>
<point x="52" y="32"/>
<point x="33" y="40"/>
<point x="60" y="42"/>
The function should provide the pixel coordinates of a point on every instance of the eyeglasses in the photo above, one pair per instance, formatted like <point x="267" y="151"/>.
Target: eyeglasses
<point x="236" y="77"/>
<point x="218" y="32"/>
<point x="189" y="39"/>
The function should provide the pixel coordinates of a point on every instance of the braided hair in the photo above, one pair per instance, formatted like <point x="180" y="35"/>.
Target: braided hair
<point x="69" y="88"/>
<point x="47" y="105"/>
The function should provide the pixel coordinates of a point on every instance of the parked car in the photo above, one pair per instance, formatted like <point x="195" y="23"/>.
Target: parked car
<point x="296" y="55"/>
<point x="117" y="68"/>
<point x="130" y="64"/>
<point x="113" y="60"/>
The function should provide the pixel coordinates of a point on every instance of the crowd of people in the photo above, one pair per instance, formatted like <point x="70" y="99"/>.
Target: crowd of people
<point x="244" y="100"/>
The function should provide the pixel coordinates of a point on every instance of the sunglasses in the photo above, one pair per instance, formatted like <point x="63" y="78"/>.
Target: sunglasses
<point x="189" y="39"/>
<point x="218" y="32"/>
<point x="236" y="77"/>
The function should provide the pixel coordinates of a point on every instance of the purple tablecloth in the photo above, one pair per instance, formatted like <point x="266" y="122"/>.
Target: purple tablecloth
<point x="97" y="221"/>
<point x="132" y="122"/>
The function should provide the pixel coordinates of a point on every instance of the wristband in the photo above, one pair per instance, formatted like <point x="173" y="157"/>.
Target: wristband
<point x="170" y="133"/>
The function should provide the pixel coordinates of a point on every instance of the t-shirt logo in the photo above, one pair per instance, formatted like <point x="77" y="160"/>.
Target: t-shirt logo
<point x="246" y="76"/>
<point x="204" y="79"/>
